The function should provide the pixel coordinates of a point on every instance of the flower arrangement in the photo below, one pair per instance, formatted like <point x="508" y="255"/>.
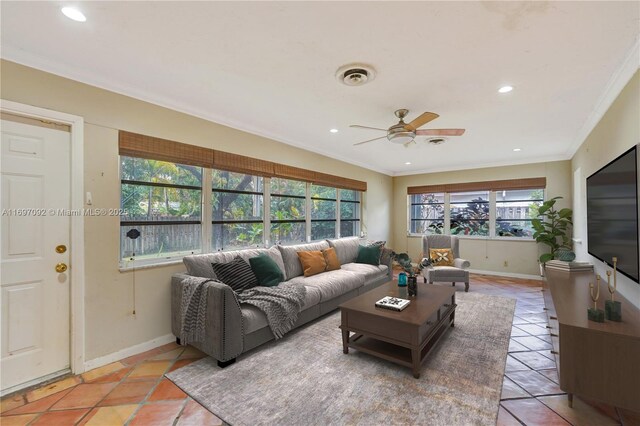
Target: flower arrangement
<point x="404" y="261"/>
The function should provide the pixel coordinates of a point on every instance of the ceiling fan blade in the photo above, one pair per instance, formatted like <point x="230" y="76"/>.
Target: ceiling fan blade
<point x="370" y="140"/>
<point x="440" y="132"/>
<point x="357" y="126"/>
<point x="421" y="120"/>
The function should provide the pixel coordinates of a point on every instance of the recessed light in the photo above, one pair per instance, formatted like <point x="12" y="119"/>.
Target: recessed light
<point x="505" y="89"/>
<point x="73" y="13"/>
<point x="517" y="149"/>
<point x="408" y="163"/>
<point x="334" y="130"/>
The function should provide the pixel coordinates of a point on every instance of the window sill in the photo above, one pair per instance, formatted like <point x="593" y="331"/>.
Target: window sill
<point x="130" y="266"/>
<point x="467" y="237"/>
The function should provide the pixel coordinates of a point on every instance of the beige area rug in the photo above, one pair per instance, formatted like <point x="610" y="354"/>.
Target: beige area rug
<point x="305" y="379"/>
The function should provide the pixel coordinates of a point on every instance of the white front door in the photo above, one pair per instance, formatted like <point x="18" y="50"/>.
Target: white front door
<point x="35" y="298"/>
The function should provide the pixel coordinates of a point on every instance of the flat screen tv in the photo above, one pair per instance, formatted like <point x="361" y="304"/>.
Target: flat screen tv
<point x="612" y="213"/>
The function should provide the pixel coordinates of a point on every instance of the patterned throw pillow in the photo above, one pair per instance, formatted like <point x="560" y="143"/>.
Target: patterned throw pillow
<point x="237" y="274"/>
<point x="441" y="257"/>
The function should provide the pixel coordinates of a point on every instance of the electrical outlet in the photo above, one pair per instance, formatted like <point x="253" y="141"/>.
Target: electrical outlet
<point x="506" y="264"/>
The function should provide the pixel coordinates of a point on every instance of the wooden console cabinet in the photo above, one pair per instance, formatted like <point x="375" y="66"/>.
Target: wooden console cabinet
<point x="600" y="361"/>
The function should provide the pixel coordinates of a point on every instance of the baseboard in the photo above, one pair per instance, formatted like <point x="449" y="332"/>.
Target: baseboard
<point x="127" y="352"/>
<point x="506" y="274"/>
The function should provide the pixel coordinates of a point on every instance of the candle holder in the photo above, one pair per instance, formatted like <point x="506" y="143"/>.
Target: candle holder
<point x="613" y="309"/>
<point x="595" y="314"/>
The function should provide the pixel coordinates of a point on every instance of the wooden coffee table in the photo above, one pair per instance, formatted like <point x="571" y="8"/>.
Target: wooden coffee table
<point x="404" y="337"/>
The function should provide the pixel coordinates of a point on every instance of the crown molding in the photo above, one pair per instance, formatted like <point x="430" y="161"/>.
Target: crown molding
<point x="612" y="90"/>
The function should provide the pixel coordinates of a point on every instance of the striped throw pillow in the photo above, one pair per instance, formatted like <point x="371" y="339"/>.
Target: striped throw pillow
<point x="237" y="274"/>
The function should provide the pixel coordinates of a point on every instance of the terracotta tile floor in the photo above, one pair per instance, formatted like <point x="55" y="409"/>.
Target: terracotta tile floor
<point x="133" y="391"/>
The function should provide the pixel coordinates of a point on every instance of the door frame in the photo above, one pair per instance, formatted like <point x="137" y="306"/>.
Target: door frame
<point x="76" y="296"/>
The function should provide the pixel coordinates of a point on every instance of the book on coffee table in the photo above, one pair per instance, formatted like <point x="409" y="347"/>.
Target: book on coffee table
<point x="393" y="303"/>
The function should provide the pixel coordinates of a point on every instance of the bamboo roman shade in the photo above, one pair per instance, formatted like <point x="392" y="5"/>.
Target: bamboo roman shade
<point x="136" y="145"/>
<point x="241" y="164"/>
<point x="492" y="185"/>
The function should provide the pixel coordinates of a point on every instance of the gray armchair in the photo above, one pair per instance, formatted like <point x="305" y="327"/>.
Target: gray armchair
<point x="457" y="273"/>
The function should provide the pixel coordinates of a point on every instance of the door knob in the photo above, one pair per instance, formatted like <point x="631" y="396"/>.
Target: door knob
<point x="61" y="248"/>
<point x="61" y="267"/>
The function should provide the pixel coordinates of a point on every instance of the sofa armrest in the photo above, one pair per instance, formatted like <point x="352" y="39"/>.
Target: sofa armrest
<point x="223" y="321"/>
<point x="461" y="263"/>
<point x="385" y="259"/>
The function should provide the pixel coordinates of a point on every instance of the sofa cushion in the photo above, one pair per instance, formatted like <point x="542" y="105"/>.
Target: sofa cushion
<point x="370" y="272"/>
<point x="266" y="270"/>
<point x="331" y="284"/>
<point x="447" y="271"/>
<point x="331" y="258"/>
<point x="237" y="274"/>
<point x="346" y="248"/>
<point x="199" y="265"/>
<point x="312" y="261"/>
<point x="369" y="255"/>
<point x="292" y="265"/>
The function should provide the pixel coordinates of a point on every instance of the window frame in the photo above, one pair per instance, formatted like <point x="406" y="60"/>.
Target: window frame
<point x="206" y="222"/>
<point x="492" y="235"/>
<point x="131" y="262"/>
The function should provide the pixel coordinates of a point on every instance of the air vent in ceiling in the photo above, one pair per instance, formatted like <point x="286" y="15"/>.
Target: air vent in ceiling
<point x="355" y="74"/>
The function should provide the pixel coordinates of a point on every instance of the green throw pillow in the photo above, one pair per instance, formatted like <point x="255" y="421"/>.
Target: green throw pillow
<point x="266" y="271"/>
<point x="369" y="255"/>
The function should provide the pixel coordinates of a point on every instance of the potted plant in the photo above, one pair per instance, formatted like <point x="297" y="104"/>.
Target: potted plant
<point x="552" y="228"/>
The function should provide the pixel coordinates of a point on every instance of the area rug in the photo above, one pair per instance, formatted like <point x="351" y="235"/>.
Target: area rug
<point x="305" y="379"/>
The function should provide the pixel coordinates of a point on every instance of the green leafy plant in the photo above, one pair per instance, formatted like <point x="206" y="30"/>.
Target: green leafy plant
<point x="404" y="261"/>
<point x="552" y="228"/>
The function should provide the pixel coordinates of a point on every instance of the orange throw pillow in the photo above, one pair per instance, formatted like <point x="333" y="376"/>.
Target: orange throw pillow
<point x="312" y="262"/>
<point x="331" y="258"/>
<point x="441" y="257"/>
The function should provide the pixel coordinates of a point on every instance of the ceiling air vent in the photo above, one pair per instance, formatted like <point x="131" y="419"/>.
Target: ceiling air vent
<point x="436" y="141"/>
<point x="355" y="74"/>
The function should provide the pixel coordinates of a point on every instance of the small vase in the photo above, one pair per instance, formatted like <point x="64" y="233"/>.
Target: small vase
<point x="402" y="279"/>
<point x="413" y="286"/>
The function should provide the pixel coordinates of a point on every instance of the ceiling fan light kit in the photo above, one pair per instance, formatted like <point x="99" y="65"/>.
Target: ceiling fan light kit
<point x="405" y="133"/>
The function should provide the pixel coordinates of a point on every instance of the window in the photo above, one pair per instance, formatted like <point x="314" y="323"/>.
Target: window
<point x="514" y="211"/>
<point x="238" y="210"/>
<point x="349" y="213"/>
<point x="323" y="212"/>
<point x="426" y="213"/>
<point x="469" y="213"/>
<point x="163" y="202"/>
<point x="463" y="210"/>
<point x="287" y="219"/>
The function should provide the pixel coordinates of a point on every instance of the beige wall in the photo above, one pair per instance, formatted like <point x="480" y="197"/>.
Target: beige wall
<point x="617" y="131"/>
<point x="110" y="324"/>
<point x="483" y="253"/>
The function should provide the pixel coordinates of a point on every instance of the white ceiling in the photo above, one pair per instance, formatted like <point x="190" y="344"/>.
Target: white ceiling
<point x="269" y="68"/>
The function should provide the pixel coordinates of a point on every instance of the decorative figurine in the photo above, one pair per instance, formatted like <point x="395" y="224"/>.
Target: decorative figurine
<point x="595" y="314"/>
<point x="613" y="309"/>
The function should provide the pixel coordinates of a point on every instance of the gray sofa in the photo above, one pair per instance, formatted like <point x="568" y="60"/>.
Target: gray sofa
<point x="233" y="329"/>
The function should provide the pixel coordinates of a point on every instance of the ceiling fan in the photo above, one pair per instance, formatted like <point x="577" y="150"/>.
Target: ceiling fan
<point x="405" y="133"/>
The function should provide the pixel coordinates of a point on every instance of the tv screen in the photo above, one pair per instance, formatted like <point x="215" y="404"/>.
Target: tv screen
<point x="612" y="213"/>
